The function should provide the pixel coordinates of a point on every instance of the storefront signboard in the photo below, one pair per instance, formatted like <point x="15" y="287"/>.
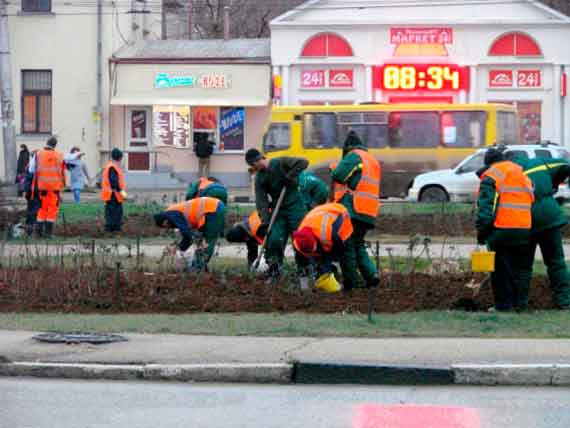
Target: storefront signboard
<point x="232" y="128"/>
<point x="515" y="78"/>
<point x="313" y="79"/>
<point x="421" y="36"/>
<point x="421" y="77"/>
<point x="204" y="81"/>
<point x="341" y="78"/>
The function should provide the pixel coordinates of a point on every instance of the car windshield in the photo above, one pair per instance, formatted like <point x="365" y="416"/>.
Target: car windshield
<point x="476" y="162"/>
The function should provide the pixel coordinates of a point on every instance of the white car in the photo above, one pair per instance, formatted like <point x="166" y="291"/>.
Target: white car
<point x="461" y="183"/>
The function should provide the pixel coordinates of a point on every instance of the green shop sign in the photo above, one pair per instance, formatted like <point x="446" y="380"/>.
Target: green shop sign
<point x="204" y="81"/>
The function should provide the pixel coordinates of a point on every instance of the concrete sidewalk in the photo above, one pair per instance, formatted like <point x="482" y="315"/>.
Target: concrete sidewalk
<point x="303" y="360"/>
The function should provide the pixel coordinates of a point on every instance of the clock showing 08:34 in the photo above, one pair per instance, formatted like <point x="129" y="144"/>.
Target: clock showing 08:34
<point x="422" y="77"/>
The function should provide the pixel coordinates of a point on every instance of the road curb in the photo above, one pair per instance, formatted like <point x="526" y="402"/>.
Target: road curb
<point x="512" y="374"/>
<point x="337" y="373"/>
<point x="244" y="373"/>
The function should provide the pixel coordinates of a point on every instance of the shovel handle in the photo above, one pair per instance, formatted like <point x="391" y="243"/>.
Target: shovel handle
<point x="273" y="217"/>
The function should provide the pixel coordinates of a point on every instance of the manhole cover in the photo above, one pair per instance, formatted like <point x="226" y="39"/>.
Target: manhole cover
<point x="93" y="338"/>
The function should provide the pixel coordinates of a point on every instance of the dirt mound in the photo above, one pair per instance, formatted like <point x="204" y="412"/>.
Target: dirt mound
<point x="97" y="291"/>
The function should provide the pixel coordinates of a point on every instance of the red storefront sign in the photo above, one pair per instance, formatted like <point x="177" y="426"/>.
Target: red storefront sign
<point x="563" y="85"/>
<point x="421" y="36"/>
<point x="501" y="79"/>
<point x="313" y="79"/>
<point x="529" y="79"/>
<point x="341" y="78"/>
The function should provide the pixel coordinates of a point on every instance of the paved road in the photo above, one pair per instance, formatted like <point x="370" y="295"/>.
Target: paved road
<point x="73" y="404"/>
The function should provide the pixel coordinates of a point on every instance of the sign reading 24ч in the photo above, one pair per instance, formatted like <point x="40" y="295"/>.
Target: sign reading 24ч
<point x="204" y="81"/>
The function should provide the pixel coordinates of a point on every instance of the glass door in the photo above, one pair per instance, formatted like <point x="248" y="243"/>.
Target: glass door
<point x="139" y="138"/>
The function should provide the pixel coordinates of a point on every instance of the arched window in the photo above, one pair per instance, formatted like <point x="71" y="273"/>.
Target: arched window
<point x="326" y="44"/>
<point x="515" y="44"/>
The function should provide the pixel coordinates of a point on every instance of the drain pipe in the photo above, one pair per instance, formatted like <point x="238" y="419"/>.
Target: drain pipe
<point x="226" y="23"/>
<point x="99" y="107"/>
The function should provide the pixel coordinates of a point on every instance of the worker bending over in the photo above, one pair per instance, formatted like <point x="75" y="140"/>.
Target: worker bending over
<point x="207" y="186"/>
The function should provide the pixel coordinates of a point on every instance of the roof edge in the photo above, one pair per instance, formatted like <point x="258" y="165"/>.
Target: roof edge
<point x="149" y="60"/>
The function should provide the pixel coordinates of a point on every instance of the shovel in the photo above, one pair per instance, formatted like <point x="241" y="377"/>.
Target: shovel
<point x="257" y="261"/>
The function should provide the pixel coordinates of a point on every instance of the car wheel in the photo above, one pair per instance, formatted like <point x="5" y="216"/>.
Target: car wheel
<point x="434" y="194"/>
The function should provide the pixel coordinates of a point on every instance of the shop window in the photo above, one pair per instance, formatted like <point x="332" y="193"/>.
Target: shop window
<point x="371" y="127"/>
<point x="278" y="137"/>
<point x="36" y="102"/>
<point x="205" y="124"/>
<point x="463" y="128"/>
<point x="529" y="121"/>
<point x="232" y="129"/>
<point x="36" y="6"/>
<point x="506" y="128"/>
<point x="320" y="131"/>
<point x="515" y="44"/>
<point x="326" y="44"/>
<point x="171" y="126"/>
<point x="414" y="129"/>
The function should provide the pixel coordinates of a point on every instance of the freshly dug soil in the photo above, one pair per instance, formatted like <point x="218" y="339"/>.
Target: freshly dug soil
<point x="139" y="292"/>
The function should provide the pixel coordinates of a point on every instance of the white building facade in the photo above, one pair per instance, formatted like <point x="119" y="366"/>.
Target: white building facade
<point x="338" y="52"/>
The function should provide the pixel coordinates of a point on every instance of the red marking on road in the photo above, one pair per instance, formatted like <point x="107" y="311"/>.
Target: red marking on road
<point x="378" y="416"/>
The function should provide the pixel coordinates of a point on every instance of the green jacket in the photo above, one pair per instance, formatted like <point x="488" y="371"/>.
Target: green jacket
<point x="281" y="172"/>
<point x="486" y="212"/>
<point x="349" y="171"/>
<point x="546" y="174"/>
<point x="215" y="190"/>
<point x="314" y="190"/>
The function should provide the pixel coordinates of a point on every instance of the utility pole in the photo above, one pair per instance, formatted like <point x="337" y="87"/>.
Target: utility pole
<point x="163" y="29"/>
<point x="6" y="98"/>
<point x="190" y="21"/>
<point x="99" y="107"/>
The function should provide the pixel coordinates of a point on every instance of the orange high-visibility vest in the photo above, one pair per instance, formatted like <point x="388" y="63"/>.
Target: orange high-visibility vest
<point x="106" y="190"/>
<point x="50" y="172"/>
<point x="204" y="182"/>
<point x="367" y="193"/>
<point x="195" y="210"/>
<point x="252" y="225"/>
<point x="515" y="195"/>
<point x="321" y="219"/>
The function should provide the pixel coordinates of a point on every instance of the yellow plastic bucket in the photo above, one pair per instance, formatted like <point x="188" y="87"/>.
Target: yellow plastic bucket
<point x="328" y="283"/>
<point x="483" y="261"/>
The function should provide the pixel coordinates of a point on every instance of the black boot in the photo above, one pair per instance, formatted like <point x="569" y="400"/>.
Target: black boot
<point x="273" y="274"/>
<point x="373" y="283"/>
<point x="39" y="226"/>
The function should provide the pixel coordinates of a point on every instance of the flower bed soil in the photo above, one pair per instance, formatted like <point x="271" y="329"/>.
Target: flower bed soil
<point x="138" y="292"/>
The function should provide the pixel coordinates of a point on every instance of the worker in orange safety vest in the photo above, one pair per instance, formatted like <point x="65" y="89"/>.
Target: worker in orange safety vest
<point x="113" y="192"/>
<point x="504" y="225"/>
<point x="252" y="232"/>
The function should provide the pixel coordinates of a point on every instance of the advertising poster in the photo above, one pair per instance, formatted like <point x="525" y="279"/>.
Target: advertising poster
<point x="171" y="126"/>
<point x="529" y="120"/>
<point x="205" y="118"/>
<point x="232" y="122"/>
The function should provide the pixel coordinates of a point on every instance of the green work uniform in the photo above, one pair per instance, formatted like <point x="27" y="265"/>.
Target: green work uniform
<point x="547" y="222"/>
<point x="510" y="246"/>
<point x="356" y="258"/>
<point x="314" y="190"/>
<point x="281" y="173"/>
<point x="215" y="190"/>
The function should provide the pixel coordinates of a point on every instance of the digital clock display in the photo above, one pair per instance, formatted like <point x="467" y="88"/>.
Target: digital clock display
<point x="422" y="77"/>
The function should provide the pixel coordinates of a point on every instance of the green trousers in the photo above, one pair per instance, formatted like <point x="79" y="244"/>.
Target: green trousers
<point x="285" y="224"/>
<point x="211" y="231"/>
<point x="551" y="247"/>
<point x="356" y="258"/>
<point x="510" y="288"/>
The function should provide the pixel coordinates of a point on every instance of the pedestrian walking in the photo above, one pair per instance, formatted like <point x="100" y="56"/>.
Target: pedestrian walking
<point x="548" y="219"/>
<point x="48" y="168"/>
<point x="197" y="220"/>
<point x="32" y="196"/>
<point x="357" y="186"/>
<point x="22" y="168"/>
<point x="207" y="186"/>
<point x="113" y="192"/>
<point x="271" y="178"/>
<point x="78" y="172"/>
<point x="504" y="224"/>
<point x="321" y="239"/>
<point x="250" y="232"/>
<point x="203" y="148"/>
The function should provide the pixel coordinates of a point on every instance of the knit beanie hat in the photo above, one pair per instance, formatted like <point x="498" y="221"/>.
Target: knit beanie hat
<point x="493" y="155"/>
<point x="252" y="156"/>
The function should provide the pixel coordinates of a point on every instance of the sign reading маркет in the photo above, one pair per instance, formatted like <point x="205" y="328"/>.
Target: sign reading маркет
<point x="203" y="81"/>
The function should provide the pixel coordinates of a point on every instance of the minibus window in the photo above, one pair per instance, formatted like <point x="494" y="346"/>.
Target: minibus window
<point x="414" y="129"/>
<point x="371" y="127"/>
<point x="319" y="131"/>
<point x="506" y="127"/>
<point x="463" y="128"/>
<point x="278" y="137"/>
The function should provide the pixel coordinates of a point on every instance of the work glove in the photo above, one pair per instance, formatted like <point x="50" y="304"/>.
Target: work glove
<point x="262" y="230"/>
<point x="481" y="238"/>
<point x="124" y="194"/>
